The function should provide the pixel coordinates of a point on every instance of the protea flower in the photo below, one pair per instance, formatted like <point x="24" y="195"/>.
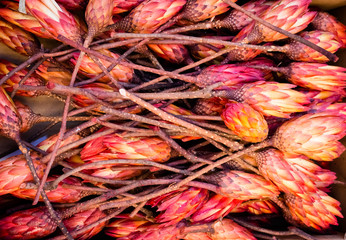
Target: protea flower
<point x="314" y="135"/>
<point x="321" y="177"/>
<point x="55" y="19"/>
<point x="292" y="16"/>
<point x="125" y="225"/>
<point x="326" y="22"/>
<point x="116" y="146"/>
<point x="17" y="39"/>
<point x="121" y="6"/>
<point x="53" y="73"/>
<point x="48" y="144"/>
<point x="14" y="171"/>
<point x="261" y="61"/>
<point x="33" y="80"/>
<point x="150" y="15"/>
<point x="300" y="52"/>
<point x="244" y="186"/>
<point x="25" y="21"/>
<point x="73" y="4"/>
<point x="210" y="106"/>
<point x="316" y="76"/>
<point x="157" y="231"/>
<point x="227" y="229"/>
<point x="257" y="207"/>
<point x="272" y="98"/>
<point x="27" y="224"/>
<point x="83" y="219"/>
<point x="98" y="15"/>
<point x="90" y="69"/>
<point x="179" y="204"/>
<point x="200" y="51"/>
<point x="319" y="213"/>
<point x="200" y="10"/>
<point x="119" y="172"/>
<point x="217" y="206"/>
<point x="228" y="74"/>
<point x="245" y="122"/>
<point x="10" y="121"/>
<point x="58" y="195"/>
<point x="174" y="53"/>
<point x="273" y="167"/>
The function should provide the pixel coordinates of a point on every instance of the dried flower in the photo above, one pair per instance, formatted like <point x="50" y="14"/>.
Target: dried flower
<point x="150" y="15"/>
<point x="245" y="122"/>
<point x="14" y="171"/>
<point x="245" y="186"/>
<point x="55" y="19"/>
<point x="98" y="15"/>
<point x="33" y="80"/>
<point x="272" y="165"/>
<point x="272" y="98"/>
<point x="90" y="69"/>
<point x="25" y="21"/>
<point x="17" y="39"/>
<point x="125" y="225"/>
<point x="83" y="219"/>
<point x="228" y="74"/>
<point x="210" y="106"/>
<point x="174" y="53"/>
<point x="27" y="224"/>
<point x="319" y="213"/>
<point x="300" y="52"/>
<point x="217" y="206"/>
<point x="314" y="135"/>
<point x="292" y="16"/>
<point x="326" y="22"/>
<point x="178" y="205"/>
<point x="316" y="76"/>
<point x="121" y="6"/>
<point x="53" y="73"/>
<point x="58" y="195"/>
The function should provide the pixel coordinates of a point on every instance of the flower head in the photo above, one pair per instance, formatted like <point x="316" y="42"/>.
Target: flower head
<point x="178" y="205"/>
<point x="228" y="74"/>
<point x="125" y="225"/>
<point x="32" y="223"/>
<point x="15" y="170"/>
<point x="300" y="52"/>
<point x="245" y="122"/>
<point x="55" y="19"/>
<point x="317" y="76"/>
<point x="174" y="53"/>
<point x="98" y="15"/>
<point x="227" y="229"/>
<point x="217" y="206"/>
<point x="318" y="213"/>
<point x="272" y="165"/>
<point x="272" y="98"/>
<point x="24" y="21"/>
<point x="326" y="22"/>
<point x="314" y="135"/>
<point x="90" y="69"/>
<point x="83" y="219"/>
<point x="17" y="39"/>
<point x="245" y="186"/>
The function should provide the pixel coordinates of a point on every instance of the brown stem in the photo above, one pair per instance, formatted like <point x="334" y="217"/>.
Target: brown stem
<point x="181" y="183"/>
<point x="329" y="55"/>
<point x="51" y="211"/>
<point x="168" y="117"/>
<point x="97" y="179"/>
<point x="116" y="161"/>
<point x="90" y="226"/>
<point x="162" y="134"/>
